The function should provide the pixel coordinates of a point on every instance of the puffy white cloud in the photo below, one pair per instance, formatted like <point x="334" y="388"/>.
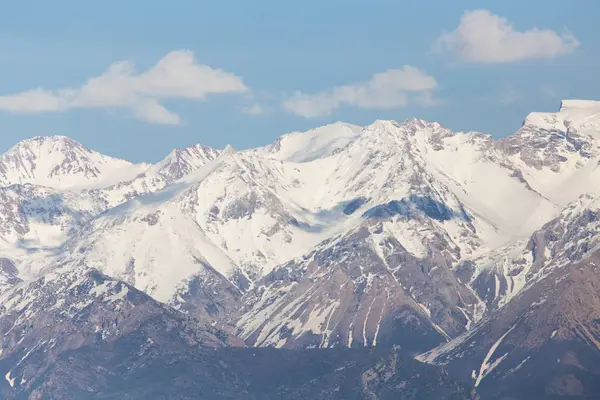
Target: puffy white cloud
<point x="483" y="37"/>
<point x="175" y="76"/>
<point x="36" y="100"/>
<point x="150" y="110"/>
<point x="385" y="90"/>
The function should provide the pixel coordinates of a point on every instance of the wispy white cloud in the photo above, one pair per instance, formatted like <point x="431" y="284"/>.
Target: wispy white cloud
<point x="175" y="76"/>
<point x="386" y="90"/>
<point x="483" y="37"/>
<point x="253" y="110"/>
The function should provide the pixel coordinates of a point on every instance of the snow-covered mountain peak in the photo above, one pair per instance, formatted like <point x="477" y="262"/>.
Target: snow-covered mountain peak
<point x="48" y="145"/>
<point x="559" y="147"/>
<point x="381" y="134"/>
<point x="573" y="115"/>
<point x="382" y="125"/>
<point x="579" y="104"/>
<point x="409" y="127"/>
<point x="421" y="123"/>
<point x="182" y="161"/>
<point x="61" y="162"/>
<point x="229" y="150"/>
<point x="315" y="143"/>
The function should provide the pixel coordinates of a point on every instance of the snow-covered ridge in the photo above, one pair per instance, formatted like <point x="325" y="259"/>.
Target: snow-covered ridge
<point x="209" y="221"/>
<point x="567" y="104"/>
<point x="180" y="162"/>
<point x="313" y="144"/>
<point x="62" y="163"/>
<point x="572" y="114"/>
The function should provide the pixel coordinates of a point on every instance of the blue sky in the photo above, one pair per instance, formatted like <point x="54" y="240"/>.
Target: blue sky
<point x="284" y="59"/>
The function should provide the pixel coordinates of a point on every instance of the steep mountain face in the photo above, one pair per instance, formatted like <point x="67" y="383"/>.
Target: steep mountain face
<point x="175" y="166"/>
<point x="557" y="153"/>
<point x="9" y="275"/>
<point x="244" y="207"/>
<point x="543" y="341"/>
<point x="25" y="208"/>
<point x="362" y="288"/>
<point x="35" y="221"/>
<point x="78" y="334"/>
<point x="394" y="273"/>
<point x="181" y="162"/>
<point x="188" y="240"/>
<point x="68" y="310"/>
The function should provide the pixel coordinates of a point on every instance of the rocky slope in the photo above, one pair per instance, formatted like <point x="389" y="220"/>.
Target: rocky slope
<point x="543" y="340"/>
<point x="78" y="334"/>
<point x="67" y="311"/>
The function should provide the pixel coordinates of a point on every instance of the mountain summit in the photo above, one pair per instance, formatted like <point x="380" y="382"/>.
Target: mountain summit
<point x="61" y="162"/>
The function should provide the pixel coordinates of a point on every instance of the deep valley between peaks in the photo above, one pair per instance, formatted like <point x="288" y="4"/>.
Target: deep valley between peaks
<point x="396" y="260"/>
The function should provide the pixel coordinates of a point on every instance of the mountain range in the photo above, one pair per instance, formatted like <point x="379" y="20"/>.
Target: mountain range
<point x="339" y="254"/>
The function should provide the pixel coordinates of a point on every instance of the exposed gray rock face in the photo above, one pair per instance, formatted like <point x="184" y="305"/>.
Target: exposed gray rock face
<point x="543" y="342"/>
<point x="9" y="275"/>
<point x="67" y="312"/>
<point x="24" y="205"/>
<point x="78" y="334"/>
<point x="544" y="148"/>
<point x="549" y="145"/>
<point x="360" y="289"/>
<point x="209" y="297"/>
